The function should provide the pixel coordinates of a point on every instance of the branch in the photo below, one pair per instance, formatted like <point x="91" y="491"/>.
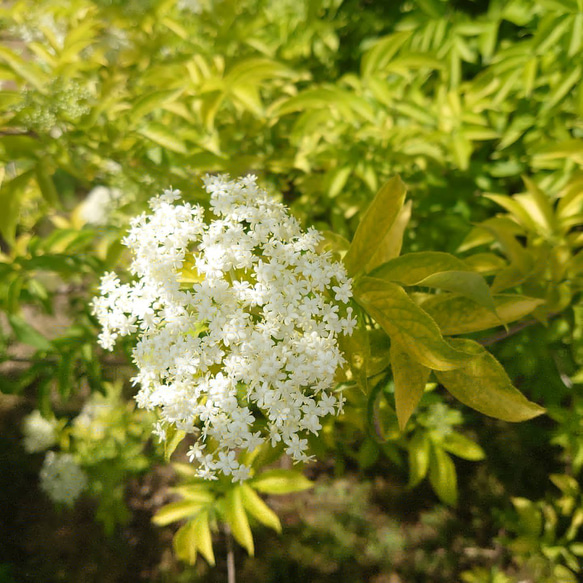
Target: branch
<point x="503" y="334"/>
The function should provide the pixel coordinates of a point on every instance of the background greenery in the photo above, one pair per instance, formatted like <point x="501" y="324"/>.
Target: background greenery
<point x="477" y="105"/>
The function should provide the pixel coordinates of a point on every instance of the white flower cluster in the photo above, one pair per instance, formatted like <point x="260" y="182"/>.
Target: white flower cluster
<point x="39" y="433"/>
<point x="237" y="323"/>
<point x="62" y="478"/>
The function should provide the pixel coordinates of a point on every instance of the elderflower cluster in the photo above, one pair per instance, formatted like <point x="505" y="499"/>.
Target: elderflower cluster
<point x="62" y="478"/>
<point x="39" y="433"/>
<point x="237" y="323"/>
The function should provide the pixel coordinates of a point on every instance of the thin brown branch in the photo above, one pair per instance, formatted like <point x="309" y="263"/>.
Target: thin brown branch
<point x="503" y="334"/>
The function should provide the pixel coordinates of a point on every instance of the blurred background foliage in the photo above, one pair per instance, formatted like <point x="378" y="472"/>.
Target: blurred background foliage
<point x="477" y="104"/>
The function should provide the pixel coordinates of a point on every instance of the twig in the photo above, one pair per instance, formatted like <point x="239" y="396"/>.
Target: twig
<point x="231" y="578"/>
<point x="511" y="331"/>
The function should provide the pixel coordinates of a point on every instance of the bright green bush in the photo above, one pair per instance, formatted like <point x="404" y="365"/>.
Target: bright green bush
<point x="477" y="106"/>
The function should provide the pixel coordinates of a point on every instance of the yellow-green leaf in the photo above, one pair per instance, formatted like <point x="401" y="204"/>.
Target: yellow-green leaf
<point x="515" y="209"/>
<point x="179" y="510"/>
<point x="281" y="482"/>
<point x="390" y="246"/>
<point x="419" y="450"/>
<point x="11" y="193"/>
<point x="483" y="385"/>
<point x="412" y="268"/>
<point x="258" y="509"/>
<point x="27" y="71"/>
<point x="145" y="104"/>
<point x="375" y="225"/>
<point x="442" y="475"/>
<point x="456" y="314"/>
<point x="406" y="323"/>
<point x="237" y="519"/>
<point x="465" y="283"/>
<point x="485" y="263"/>
<point x="202" y="536"/>
<point x="184" y="543"/>
<point x="194" y="492"/>
<point x="410" y="379"/>
<point x="173" y="438"/>
<point x="162" y="136"/>
<point x="463" y="447"/>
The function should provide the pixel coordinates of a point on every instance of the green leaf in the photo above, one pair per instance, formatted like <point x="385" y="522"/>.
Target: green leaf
<point x="538" y="205"/>
<point x="26" y="334"/>
<point x="255" y="70"/>
<point x="381" y="54"/>
<point x="410" y="379"/>
<point x="11" y="193"/>
<point x="237" y="519"/>
<point x="179" y="510"/>
<point x="483" y="385"/>
<point x="412" y="268"/>
<point x="258" y="509"/>
<point x="65" y="370"/>
<point x="442" y="475"/>
<point x="419" y="450"/>
<point x="406" y="323"/>
<point x="485" y="263"/>
<point x="375" y="225"/>
<point x="46" y="184"/>
<point x="162" y="136"/>
<point x="468" y="284"/>
<point x="463" y="447"/>
<point x="184" y="543"/>
<point x="146" y="104"/>
<point x="20" y="146"/>
<point x="438" y="270"/>
<point x="531" y="519"/>
<point x="459" y="315"/>
<point x="569" y="81"/>
<point x="514" y="207"/>
<point x="281" y="482"/>
<point x="570" y="149"/>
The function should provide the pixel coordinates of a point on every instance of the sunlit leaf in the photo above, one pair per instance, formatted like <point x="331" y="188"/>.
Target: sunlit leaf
<point x="483" y="385"/>
<point x="202" y="536"/>
<point x="257" y="508"/>
<point x="164" y="137"/>
<point x="412" y="268"/>
<point x="180" y="510"/>
<point x="419" y="450"/>
<point x="375" y="224"/>
<point x="281" y="482"/>
<point x="408" y="325"/>
<point x="462" y="447"/>
<point x="184" y="543"/>
<point x="410" y="378"/>
<point x="442" y="475"/>
<point x="236" y="517"/>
